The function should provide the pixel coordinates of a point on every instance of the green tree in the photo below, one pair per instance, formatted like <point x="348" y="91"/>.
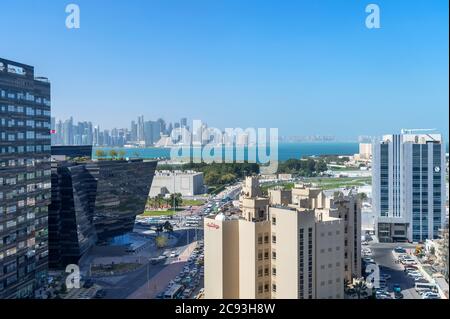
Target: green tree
<point x="100" y="154"/>
<point x="321" y="166"/>
<point x="175" y="200"/>
<point x="122" y="154"/>
<point x="113" y="154"/>
<point x="360" y="288"/>
<point x="362" y="196"/>
<point x="161" y="241"/>
<point x="168" y="228"/>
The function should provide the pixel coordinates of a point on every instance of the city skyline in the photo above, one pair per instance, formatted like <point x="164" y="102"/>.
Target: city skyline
<point x="187" y="58"/>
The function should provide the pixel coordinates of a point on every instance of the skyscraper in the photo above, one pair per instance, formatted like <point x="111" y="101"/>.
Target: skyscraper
<point x="24" y="179"/>
<point x="408" y="174"/>
<point x="134" y="129"/>
<point x="140" y="129"/>
<point x="152" y="132"/>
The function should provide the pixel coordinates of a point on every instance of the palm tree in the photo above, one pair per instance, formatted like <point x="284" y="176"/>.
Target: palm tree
<point x="168" y="228"/>
<point x="360" y="287"/>
<point x="122" y="154"/>
<point x="159" y="201"/>
<point x="100" y="154"/>
<point x="113" y="154"/>
<point x="176" y="200"/>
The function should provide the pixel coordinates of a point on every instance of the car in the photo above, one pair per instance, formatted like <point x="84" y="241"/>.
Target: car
<point x="385" y="276"/>
<point x="382" y="294"/>
<point x="420" y="280"/>
<point x="100" y="294"/>
<point x="415" y="274"/>
<point x="400" y="250"/>
<point x="177" y="279"/>
<point x="398" y="295"/>
<point x="410" y="268"/>
<point x="431" y="295"/>
<point x="160" y="295"/>
<point x="88" y="283"/>
<point x="187" y="293"/>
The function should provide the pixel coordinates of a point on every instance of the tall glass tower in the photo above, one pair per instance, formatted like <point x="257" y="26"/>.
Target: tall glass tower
<point x="24" y="179"/>
<point x="408" y="183"/>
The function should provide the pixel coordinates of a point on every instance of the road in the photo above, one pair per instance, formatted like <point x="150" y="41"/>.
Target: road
<point x="382" y="254"/>
<point x="132" y="281"/>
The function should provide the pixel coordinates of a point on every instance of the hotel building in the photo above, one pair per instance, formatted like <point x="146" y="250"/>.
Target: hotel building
<point x="24" y="179"/>
<point x="408" y="174"/>
<point x="273" y="251"/>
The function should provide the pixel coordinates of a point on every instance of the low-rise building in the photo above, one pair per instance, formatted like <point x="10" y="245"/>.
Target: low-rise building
<point x="187" y="183"/>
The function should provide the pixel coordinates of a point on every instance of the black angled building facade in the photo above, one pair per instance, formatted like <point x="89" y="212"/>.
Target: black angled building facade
<point x="92" y="202"/>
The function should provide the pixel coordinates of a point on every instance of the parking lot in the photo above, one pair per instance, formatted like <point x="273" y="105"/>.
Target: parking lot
<point x="398" y="271"/>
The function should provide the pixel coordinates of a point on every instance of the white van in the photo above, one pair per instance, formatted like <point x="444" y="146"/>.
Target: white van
<point x="422" y="287"/>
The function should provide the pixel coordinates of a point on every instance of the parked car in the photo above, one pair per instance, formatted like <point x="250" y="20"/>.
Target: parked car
<point x="398" y="295"/>
<point x="385" y="276"/>
<point x="431" y="295"/>
<point x="100" y="294"/>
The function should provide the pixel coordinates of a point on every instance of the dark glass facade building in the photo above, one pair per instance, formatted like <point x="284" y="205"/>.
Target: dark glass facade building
<point x="24" y="179"/>
<point x="92" y="202"/>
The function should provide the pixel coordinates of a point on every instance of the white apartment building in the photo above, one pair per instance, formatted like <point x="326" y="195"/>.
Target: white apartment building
<point x="408" y="186"/>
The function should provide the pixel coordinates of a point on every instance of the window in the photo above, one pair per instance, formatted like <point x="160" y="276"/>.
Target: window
<point x="260" y="240"/>
<point x="274" y="239"/>
<point x="274" y="271"/>
<point x="274" y="287"/>
<point x="274" y="221"/>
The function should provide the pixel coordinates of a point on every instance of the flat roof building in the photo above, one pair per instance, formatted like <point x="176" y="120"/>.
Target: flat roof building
<point x="273" y="251"/>
<point x="408" y="186"/>
<point x="187" y="183"/>
<point x="24" y="179"/>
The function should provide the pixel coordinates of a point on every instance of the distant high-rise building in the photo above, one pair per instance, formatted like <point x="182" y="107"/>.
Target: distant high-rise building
<point x="59" y="133"/>
<point x="53" y="131"/>
<point x="152" y="132"/>
<point x="183" y="122"/>
<point x="96" y="137"/>
<point x="169" y="129"/>
<point x="24" y="179"/>
<point x="133" y="132"/>
<point x="408" y="180"/>
<point x="162" y="125"/>
<point x="140" y="129"/>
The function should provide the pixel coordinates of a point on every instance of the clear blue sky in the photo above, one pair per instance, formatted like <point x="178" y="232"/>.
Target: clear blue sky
<point x="306" y="67"/>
